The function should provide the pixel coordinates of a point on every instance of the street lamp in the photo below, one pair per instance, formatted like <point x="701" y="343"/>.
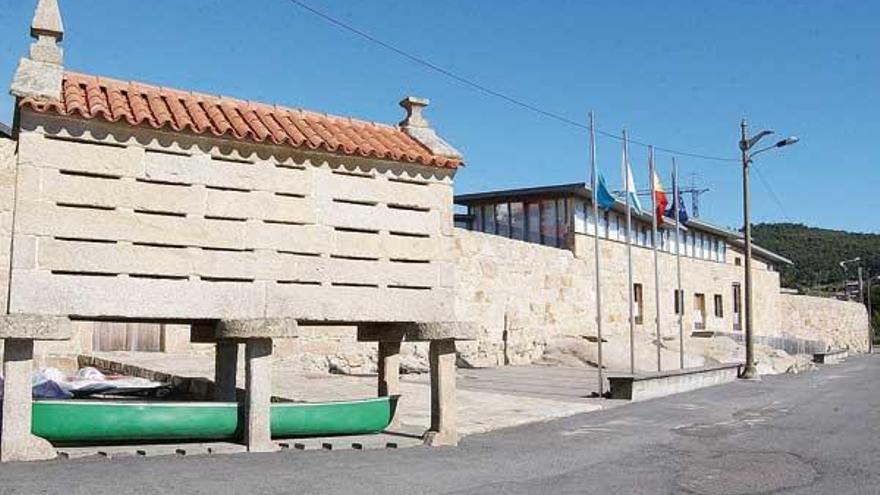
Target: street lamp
<point x="843" y="264"/>
<point x="746" y="144"/>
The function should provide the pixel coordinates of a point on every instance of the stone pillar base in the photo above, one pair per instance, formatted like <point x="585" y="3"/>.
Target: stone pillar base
<point x="444" y="431"/>
<point x="258" y="377"/>
<point x="440" y="439"/>
<point x="19" y="331"/>
<point x="16" y="441"/>
<point x="389" y="375"/>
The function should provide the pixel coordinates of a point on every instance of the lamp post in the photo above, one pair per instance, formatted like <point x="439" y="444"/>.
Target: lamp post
<point x="870" y="314"/>
<point x="746" y="143"/>
<point x="862" y="300"/>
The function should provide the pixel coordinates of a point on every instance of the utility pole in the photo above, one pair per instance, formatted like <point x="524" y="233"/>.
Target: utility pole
<point x="750" y="372"/>
<point x="870" y="317"/>
<point x="746" y="143"/>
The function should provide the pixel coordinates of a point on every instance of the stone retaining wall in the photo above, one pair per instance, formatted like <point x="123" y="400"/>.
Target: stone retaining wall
<point x="531" y="300"/>
<point x="841" y="324"/>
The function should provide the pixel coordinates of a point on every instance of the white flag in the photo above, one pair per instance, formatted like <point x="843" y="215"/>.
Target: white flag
<point x="629" y="187"/>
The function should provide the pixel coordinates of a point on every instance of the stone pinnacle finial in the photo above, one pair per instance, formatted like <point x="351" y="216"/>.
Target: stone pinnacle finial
<point x="40" y="75"/>
<point x="414" y="106"/>
<point x="417" y="127"/>
<point x="47" y="20"/>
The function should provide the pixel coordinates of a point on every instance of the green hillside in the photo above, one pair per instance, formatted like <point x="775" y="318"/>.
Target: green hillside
<point x="817" y="254"/>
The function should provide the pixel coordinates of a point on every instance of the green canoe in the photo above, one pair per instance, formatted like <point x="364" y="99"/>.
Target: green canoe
<point x="75" y="421"/>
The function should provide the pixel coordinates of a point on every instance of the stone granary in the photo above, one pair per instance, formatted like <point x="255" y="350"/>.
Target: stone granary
<point x="142" y="203"/>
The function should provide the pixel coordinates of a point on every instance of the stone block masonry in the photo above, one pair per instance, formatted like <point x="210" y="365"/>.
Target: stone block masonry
<point x="840" y="324"/>
<point x="199" y="228"/>
<point x="530" y="300"/>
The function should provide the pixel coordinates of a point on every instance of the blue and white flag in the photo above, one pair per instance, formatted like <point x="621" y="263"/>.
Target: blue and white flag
<point x="629" y="187"/>
<point x="603" y="197"/>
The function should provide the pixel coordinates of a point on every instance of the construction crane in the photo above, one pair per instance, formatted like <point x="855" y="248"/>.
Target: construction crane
<point x="694" y="190"/>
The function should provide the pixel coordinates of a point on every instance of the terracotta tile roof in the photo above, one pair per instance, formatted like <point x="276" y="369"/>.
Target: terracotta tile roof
<point x="93" y="97"/>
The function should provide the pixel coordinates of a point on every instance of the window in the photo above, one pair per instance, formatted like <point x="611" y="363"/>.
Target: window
<point x="719" y="306"/>
<point x="477" y="212"/>
<point x="603" y="223"/>
<point x="489" y="220"/>
<point x="591" y="222"/>
<point x="502" y="217"/>
<point x="614" y="226"/>
<point x="533" y="221"/>
<point x="638" y="305"/>
<point x="549" y="234"/>
<point x="699" y="311"/>
<point x="562" y="222"/>
<point x="679" y="301"/>
<point x="581" y="217"/>
<point x="737" y="306"/>
<point x="517" y="221"/>
<point x="737" y="261"/>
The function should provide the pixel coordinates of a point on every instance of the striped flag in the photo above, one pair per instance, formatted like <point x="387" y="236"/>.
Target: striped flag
<point x="659" y="198"/>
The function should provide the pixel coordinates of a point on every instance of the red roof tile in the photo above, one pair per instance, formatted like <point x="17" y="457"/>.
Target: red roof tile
<point x="91" y="97"/>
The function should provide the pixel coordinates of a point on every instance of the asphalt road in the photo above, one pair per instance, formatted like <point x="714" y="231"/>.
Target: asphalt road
<point x="817" y="432"/>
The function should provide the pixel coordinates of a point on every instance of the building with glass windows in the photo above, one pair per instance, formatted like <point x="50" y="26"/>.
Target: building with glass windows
<point x="561" y="217"/>
<point x="554" y="215"/>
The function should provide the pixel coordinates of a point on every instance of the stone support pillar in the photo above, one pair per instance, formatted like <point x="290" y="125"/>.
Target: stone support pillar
<point x="19" y="331"/>
<point x="258" y="377"/>
<point x="441" y="355"/>
<point x="389" y="375"/>
<point x="16" y="441"/>
<point x="442" y="337"/>
<point x="225" y="370"/>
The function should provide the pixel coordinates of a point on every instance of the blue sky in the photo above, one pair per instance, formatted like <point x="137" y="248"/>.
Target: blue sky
<point x="676" y="74"/>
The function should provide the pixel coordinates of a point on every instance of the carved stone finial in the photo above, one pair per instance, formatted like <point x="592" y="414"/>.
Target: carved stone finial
<point x="40" y="75"/>
<point x="47" y="20"/>
<point x="417" y="127"/>
<point x="414" y="106"/>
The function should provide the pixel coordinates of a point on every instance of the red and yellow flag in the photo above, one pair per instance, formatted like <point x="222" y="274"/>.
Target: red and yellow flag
<point x="659" y="198"/>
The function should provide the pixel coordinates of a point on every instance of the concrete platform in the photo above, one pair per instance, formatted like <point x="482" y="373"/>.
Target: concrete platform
<point x="643" y="386"/>
<point x="830" y="357"/>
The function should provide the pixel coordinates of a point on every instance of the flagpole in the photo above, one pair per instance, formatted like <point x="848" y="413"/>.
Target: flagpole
<point x="630" y="290"/>
<point x="654" y="242"/>
<point x="678" y="249"/>
<point x="595" y="187"/>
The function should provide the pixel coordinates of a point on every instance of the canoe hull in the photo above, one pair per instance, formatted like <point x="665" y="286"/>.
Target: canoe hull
<point x="81" y="421"/>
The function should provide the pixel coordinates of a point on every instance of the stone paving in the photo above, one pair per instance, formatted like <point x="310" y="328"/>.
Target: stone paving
<point x="488" y="398"/>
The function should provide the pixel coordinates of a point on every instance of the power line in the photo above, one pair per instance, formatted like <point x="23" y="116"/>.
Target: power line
<point x="771" y="191"/>
<point x="489" y="91"/>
